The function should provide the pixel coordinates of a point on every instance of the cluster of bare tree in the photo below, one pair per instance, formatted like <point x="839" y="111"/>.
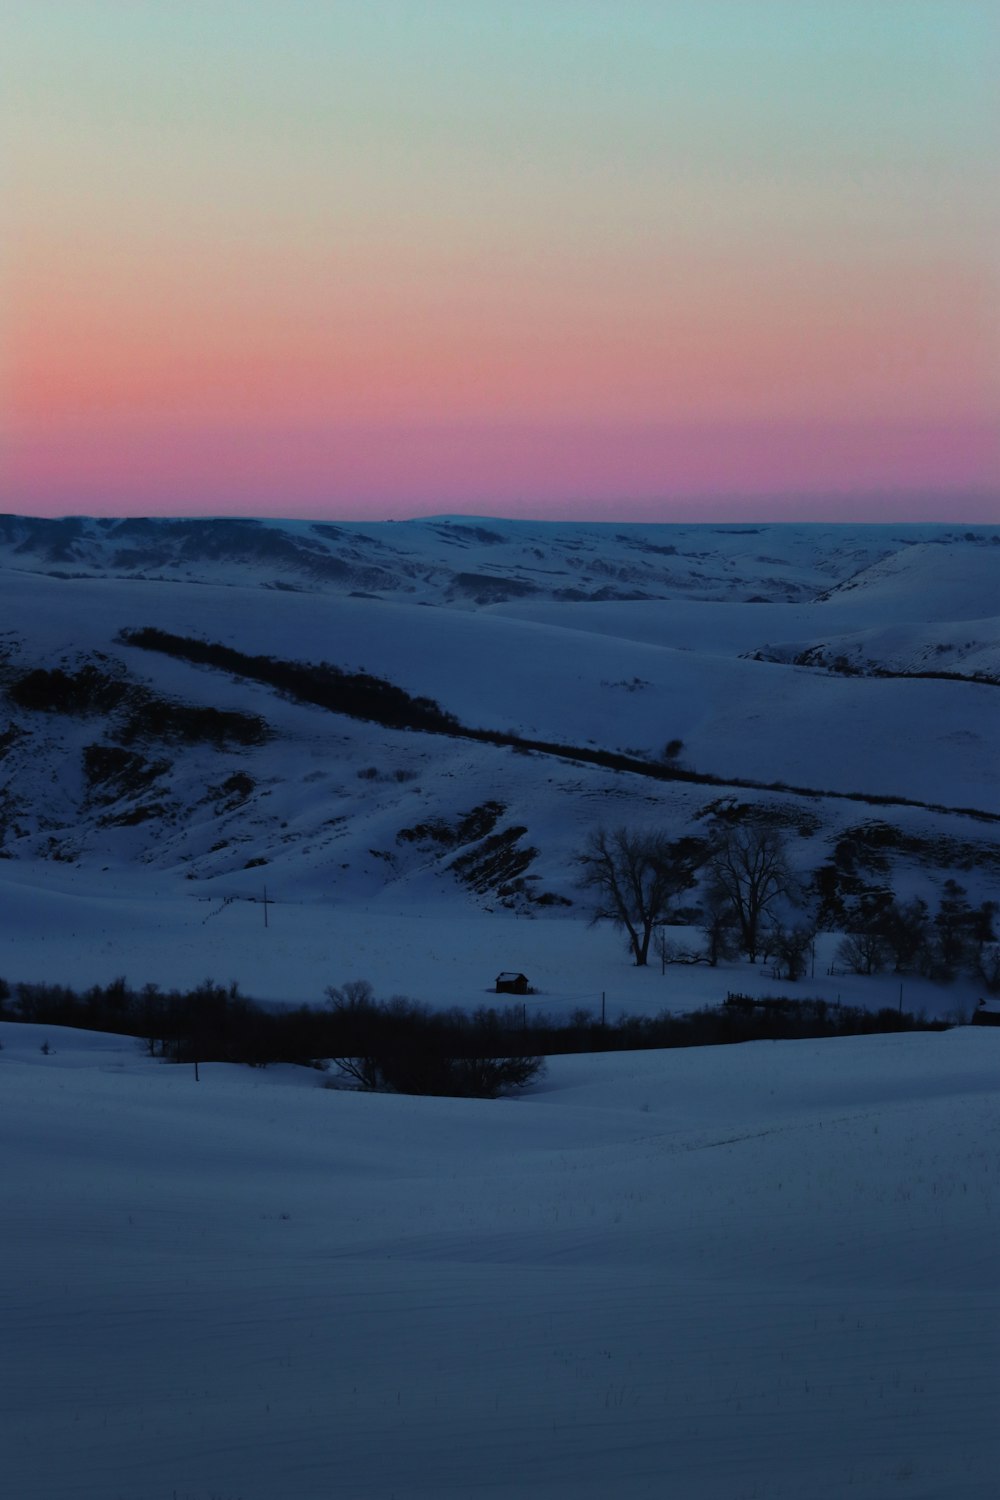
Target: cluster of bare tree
<point x="638" y="879"/>
<point x="904" y="936"/>
<point x="750" y="902"/>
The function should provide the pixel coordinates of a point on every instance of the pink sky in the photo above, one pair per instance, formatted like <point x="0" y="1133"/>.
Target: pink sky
<point x="552" y="259"/>
<point x="587" y="472"/>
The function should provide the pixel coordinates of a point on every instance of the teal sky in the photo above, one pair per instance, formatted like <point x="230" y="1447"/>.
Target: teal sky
<point x="529" y="253"/>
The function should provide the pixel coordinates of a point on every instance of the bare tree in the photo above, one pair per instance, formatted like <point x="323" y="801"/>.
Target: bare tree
<point x="791" y="947"/>
<point x="357" y="1039"/>
<point x="863" y="952"/>
<point x="637" y="877"/>
<point x="905" y="927"/>
<point x="750" y="871"/>
<point x="987" y="967"/>
<point x="718" y="926"/>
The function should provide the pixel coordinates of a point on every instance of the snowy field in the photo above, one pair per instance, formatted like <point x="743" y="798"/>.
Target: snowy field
<point x="58" y="928"/>
<point x="615" y="638"/>
<point x="720" y="1273"/>
<point x="759" y="1272"/>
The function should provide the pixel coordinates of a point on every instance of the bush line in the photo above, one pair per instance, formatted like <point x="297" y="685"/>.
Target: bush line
<point x="362" y="696"/>
<point x="407" y="1047"/>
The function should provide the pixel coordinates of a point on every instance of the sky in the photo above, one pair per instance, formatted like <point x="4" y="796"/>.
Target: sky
<point x="602" y="259"/>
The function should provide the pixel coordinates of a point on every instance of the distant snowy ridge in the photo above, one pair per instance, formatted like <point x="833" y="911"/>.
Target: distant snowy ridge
<point x="467" y="562"/>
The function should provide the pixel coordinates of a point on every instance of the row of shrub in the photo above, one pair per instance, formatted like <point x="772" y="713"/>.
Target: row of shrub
<point x="358" y="694"/>
<point x="374" y="699"/>
<point x="146" y="715"/>
<point x="407" y="1047"/>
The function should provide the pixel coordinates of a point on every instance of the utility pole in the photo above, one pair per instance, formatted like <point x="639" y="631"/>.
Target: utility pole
<point x="266" y="904"/>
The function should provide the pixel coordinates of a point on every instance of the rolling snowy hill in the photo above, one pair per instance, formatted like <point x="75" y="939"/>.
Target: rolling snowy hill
<point x="147" y="800"/>
<point x="713" y="1272"/>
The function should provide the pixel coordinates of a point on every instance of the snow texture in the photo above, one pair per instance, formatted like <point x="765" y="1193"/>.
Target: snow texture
<point x="765" y="1270"/>
<point x="155" y="865"/>
<point x="718" y="1273"/>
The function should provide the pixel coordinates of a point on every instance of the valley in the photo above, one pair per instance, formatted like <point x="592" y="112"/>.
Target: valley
<point x="149" y="801"/>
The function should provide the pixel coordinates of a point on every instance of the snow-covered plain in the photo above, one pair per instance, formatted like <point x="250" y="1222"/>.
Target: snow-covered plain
<point x="614" y="638"/>
<point x="760" y="1271"/>
<point x="715" y="1273"/>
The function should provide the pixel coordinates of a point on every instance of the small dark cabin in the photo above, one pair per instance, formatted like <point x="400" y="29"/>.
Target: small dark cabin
<point x="985" y="1015"/>
<point x="512" y="984"/>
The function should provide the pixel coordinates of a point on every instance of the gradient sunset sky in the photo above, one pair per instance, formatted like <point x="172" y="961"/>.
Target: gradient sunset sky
<point x="606" y="259"/>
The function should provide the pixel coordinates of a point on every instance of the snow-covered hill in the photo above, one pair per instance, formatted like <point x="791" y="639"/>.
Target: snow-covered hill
<point x="469" y="562"/>
<point x="711" y="1273"/>
<point x="714" y="1272"/>
<point x="129" y="771"/>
